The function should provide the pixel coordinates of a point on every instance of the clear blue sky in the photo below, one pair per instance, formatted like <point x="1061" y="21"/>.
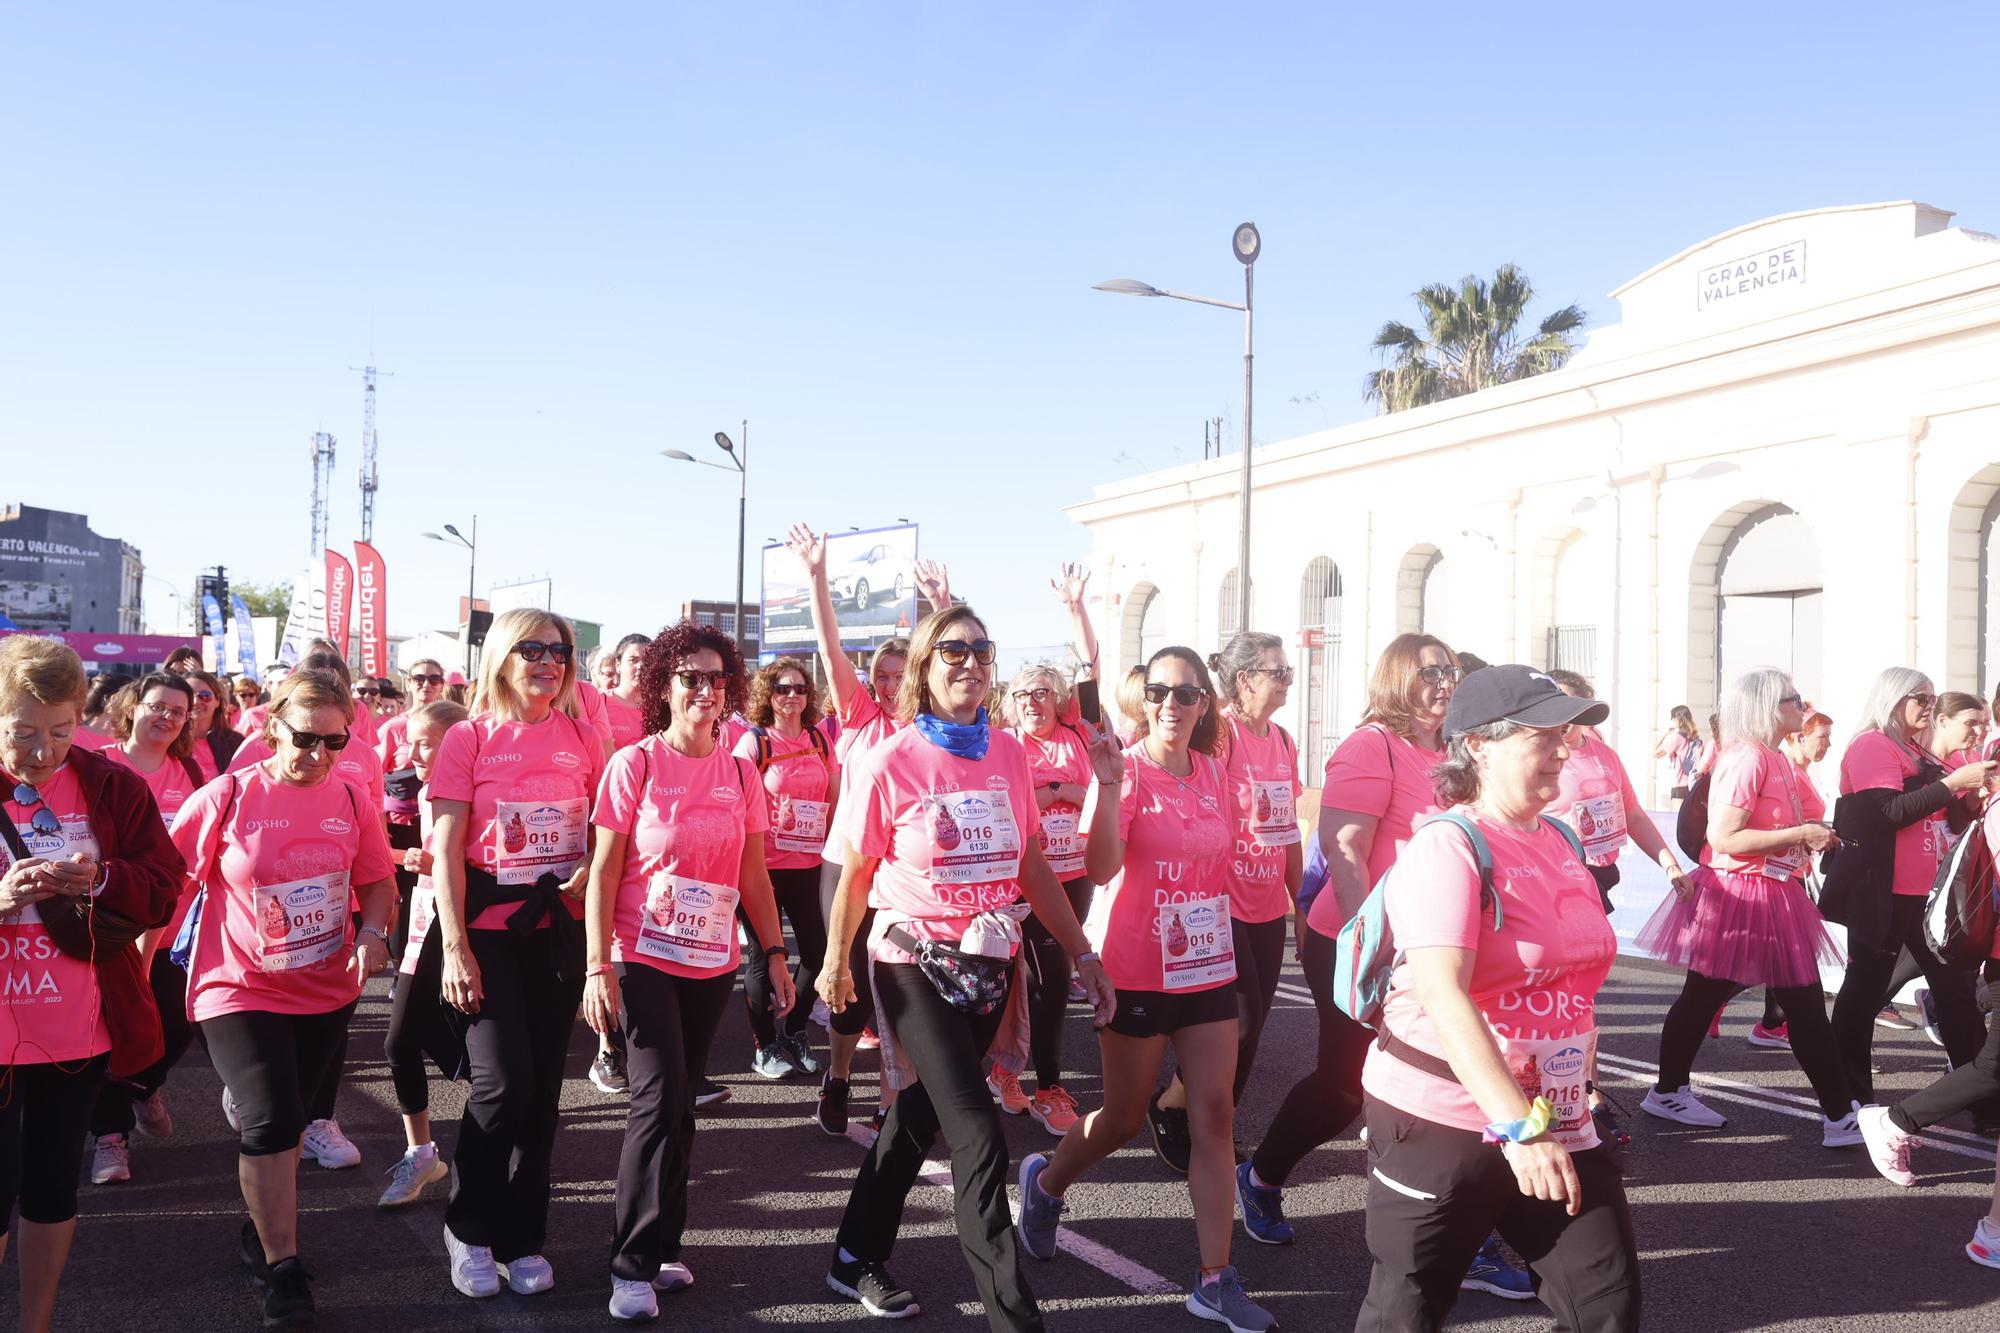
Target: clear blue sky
<point x="579" y="235"/>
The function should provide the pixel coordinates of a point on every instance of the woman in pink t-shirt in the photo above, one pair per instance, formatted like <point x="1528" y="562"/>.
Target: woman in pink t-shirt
<point x="392" y="745"/>
<point x="943" y="850"/>
<point x="624" y="707"/>
<point x="1745" y="919"/>
<point x="681" y="827"/>
<point x="1600" y="805"/>
<point x="1900" y="802"/>
<point x="511" y="791"/>
<point x="1477" y="1115"/>
<point x="215" y="741"/>
<point x="1163" y="847"/>
<point x="283" y="850"/>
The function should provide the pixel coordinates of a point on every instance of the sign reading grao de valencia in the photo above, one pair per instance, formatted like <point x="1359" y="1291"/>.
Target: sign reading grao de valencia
<point x="1779" y="266"/>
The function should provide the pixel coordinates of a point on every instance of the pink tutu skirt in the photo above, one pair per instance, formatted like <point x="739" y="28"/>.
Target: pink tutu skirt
<point x="1749" y="929"/>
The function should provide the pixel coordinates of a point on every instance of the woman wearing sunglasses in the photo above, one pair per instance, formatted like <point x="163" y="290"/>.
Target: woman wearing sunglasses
<point x="76" y="824"/>
<point x="250" y="709"/>
<point x="681" y="824"/>
<point x="943" y="849"/>
<point x="392" y="742"/>
<point x="296" y="894"/>
<point x="357" y="763"/>
<point x="215" y="741"/>
<point x="511" y="792"/>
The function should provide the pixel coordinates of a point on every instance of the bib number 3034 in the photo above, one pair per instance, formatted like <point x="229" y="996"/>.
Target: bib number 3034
<point x="300" y="923"/>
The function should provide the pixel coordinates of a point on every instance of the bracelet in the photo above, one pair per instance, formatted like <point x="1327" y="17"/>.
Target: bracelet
<point x="776" y="951"/>
<point x="599" y="970"/>
<point x="1088" y="956"/>
<point x="1525" y="1130"/>
<point x="376" y="931"/>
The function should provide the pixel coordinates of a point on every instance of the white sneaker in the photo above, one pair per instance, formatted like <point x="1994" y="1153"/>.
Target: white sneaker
<point x="110" y="1160"/>
<point x="1888" y="1147"/>
<point x="1681" y="1106"/>
<point x="413" y="1171"/>
<point x="633" y="1300"/>
<point x="1984" y="1247"/>
<point x="472" y="1270"/>
<point x="673" y="1277"/>
<point x="1844" y="1132"/>
<point x="529" y="1275"/>
<point x="154" y="1121"/>
<point x="325" y="1144"/>
<point x="229" y="1110"/>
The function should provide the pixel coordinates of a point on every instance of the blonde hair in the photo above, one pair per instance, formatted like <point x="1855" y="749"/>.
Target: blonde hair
<point x="307" y="689"/>
<point x="48" y="672"/>
<point x="915" y="697"/>
<point x="1026" y="679"/>
<point x="495" y="693"/>
<point x="1132" y="700"/>
<point x="441" y="711"/>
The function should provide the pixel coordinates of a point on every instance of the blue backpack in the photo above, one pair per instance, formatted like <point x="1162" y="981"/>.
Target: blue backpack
<point x="1364" y="953"/>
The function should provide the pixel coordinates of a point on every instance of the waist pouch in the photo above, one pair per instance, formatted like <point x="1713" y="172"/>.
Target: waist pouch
<point x="971" y="983"/>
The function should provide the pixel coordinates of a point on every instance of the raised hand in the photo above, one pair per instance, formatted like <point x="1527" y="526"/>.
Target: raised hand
<point x="809" y="547"/>
<point x="1070" y="586"/>
<point x="1107" y="761"/>
<point x="933" y="581"/>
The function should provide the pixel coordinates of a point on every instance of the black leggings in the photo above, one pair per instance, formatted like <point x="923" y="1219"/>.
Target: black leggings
<point x="1972" y="1083"/>
<point x="850" y="1021"/>
<point x="1048" y="985"/>
<point x="274" y="1066"/>
<point x="1324" y="1102"/>
<point x="797" y="892"/>
<point x="418" y="1027"/>
<point x="43" y="1109"/>
<point x="1260" y="958"/>
<point x="1811" y="1038"/>
<point x="402" y="837"/>
<point x="1870" y="967"/>
<point x="114" y="1113"/>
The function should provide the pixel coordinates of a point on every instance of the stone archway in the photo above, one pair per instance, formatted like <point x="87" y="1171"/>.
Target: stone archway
<point x="1422" y="564"/>
<point x="1132" y="651"/>
<point x="1972" y="629"/>
<point x="1761" y="609"/>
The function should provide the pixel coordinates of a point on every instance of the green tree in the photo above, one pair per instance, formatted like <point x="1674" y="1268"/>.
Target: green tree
<point x="1471" y="340"/>
<point x="265" y="599"/>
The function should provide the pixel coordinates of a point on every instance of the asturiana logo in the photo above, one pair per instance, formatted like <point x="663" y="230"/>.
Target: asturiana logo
<point x="724" y="794"/>
<point x="336" y="826"/>
<point x="564" y="759"/>
<point x="1565" y="1063"/>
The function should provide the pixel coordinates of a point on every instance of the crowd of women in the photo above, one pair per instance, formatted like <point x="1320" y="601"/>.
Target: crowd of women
<point x="957" y="860"/>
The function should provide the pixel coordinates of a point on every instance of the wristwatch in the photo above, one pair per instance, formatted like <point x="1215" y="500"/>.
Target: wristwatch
<point x="777" y="951"/>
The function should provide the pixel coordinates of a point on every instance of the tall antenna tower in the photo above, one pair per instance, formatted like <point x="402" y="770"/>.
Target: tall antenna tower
<point x="369" y="484"/>
<point x="322" y="453"/>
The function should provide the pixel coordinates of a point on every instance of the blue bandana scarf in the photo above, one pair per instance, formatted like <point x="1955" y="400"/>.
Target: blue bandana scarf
<point x="967" y="740"/>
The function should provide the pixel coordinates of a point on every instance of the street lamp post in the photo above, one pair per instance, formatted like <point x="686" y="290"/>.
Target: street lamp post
<point x="471" y="545"/>
<point x="1246" y="244"/>
<point x="740" y="461"/>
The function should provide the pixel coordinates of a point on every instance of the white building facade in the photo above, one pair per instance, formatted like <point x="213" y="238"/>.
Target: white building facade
<point x="1786" y="453"/>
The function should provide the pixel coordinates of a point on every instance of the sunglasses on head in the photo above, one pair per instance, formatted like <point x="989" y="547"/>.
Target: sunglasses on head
<point x="307" y="740"/>
<point x="1438" y="675"/>
<point x="1187" y="696"/>
<point x="788" y="689"/>
<point x="956" y="651"/>
<point x="692" y="680"/>
<point x="534" y="650"/>
<point x="43" y="820"/>
<point x="427" y="679"/>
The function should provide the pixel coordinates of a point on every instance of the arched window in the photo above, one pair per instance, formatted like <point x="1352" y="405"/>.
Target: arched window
<point x="1755" y="598"/>
<point x="1319" y="671"/>
<point x="1421" y="592"/>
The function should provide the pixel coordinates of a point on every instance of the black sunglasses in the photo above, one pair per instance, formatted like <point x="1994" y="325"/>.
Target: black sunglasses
<point x="427" y="679"/>
<point x="306" y="740"/>
<point x="786" y="689"/>
<point x="1282" y="675"/>
<point x="43" y="820"/>
<point x="955" y="651"/>
<point x="1438" y="675"/>
<point x="369" y="693"/>
<point x="692" y="681"/>
<point x="533" y="650"/>
<point x="1187" y="696"/>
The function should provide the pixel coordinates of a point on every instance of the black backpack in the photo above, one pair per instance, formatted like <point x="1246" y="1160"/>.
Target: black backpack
<point x="1691" y="823"/>
<point x="1964" y="907"/>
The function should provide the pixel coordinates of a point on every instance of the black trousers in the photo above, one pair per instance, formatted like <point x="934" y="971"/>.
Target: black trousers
<point x="945" y="1048"/>
<point x="274" y="1066"/>
<point x="114" y="1112"/>
<point x="858" y="1015"/>
<point x="669" y="1026"/>
<point x="1048" y="985"/>
<point x="419" y="1026"/>
<point x="402" y="837"/>
<point x="1260" y="958"/>
<point x="1435" y="1193"/>
<point x="1811" y="1038"/>
<point x="1324" y="1102"/>
<point x="797" y="892"/>
<point x="42" y="1114"/>
<point x="514" y="1046"/>
<point x="1869" y="969"/>
<point x="1972" y="1083"/>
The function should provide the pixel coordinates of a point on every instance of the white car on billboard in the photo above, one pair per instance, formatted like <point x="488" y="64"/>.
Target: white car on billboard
<point x="875" y="574"/>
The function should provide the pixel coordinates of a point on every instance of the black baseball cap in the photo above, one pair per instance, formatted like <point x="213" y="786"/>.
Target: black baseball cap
<point x="1517" y="694"/>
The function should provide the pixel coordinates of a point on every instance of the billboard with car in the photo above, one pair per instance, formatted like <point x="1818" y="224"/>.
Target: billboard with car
<point x="871" y="576"/>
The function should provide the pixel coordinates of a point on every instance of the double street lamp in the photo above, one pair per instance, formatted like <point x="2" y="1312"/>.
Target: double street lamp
<point x="739" y="462"/>
<point x="471" y="545"/>
<point x="1245" y="243"/>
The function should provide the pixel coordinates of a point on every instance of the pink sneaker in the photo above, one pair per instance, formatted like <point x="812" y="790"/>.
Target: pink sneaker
<point x="1054" y="1109"/>
<point x="1007" y="1087"/>
<point x="1778" y="1038"/>
<point x="868" y="1041"/>
<point x="1888" y="1147"/>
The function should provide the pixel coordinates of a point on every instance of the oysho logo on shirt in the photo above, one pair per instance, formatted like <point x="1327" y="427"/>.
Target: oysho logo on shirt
<point x="336" y="826"/>
<point x="501" y="757"/>
<point x="1521" y="872"/>
<point x="723" y="793"/>
<point x="259" y="825"/>
<point x="564" y="759"/>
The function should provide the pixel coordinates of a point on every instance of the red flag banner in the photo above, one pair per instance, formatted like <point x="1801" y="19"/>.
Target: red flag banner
<point x="339" y="600"/>
<point x="371" y="602"/>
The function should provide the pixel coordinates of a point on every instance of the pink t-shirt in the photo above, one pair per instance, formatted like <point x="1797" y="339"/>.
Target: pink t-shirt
<point x="358" y="764"/>
<point x="169" y="782"/>
<point x="800" y="788"/>
<point x="949" y="832"/>
<point x="530" y="789"/>
<point x="864" y="727"/>
<point x="626" y="721"/>
<point x="1596" y="799"/>
<point x="1758" y="779"/>
<point x="1873" y="760"/>
<point x="1376" y="772"/>
<point x="590" y="707"/>
<point x="1168" y="906"/>
<point x="1810" y="801"/>
<point x="1264" y="782"/>
<point x="366" y="726"/>
<point x="204" y="760"/>
<point x="92" y="740"/>
<point x="50" y="1007"/>
<point x="392" y="742"/>
<point x="685" y="822"/>
<point x="1062" y="757"/>
<point x="423" y="897"/>
<point x="278" y="918"/>
<point x="1534" y="981"/>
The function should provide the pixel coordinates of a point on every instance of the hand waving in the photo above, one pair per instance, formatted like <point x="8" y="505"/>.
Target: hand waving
<point x="809" y="547"/>
<point x="1107" y="761"/>
<point x="933" y="581"/>
<point x="1069" y="587"/>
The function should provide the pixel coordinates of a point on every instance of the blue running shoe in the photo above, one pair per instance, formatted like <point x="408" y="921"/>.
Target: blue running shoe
<point x="1222" y="1300"/>
<point x="1040" y="1214"/>
<point x="1263" y="1209"/>
<point x="1491" y="1273"/>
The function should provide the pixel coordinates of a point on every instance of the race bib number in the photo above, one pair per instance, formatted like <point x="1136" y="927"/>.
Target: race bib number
<point x="1062" y="840"/>
<point x="800" y="825"/>
<point x="1274" y="820"/>
<point x="300" y="923"/>
<point x="535" y="838"/>
<point x="1786" y="864"/>
<point x="974" y="839"/>
<point x="688" y="922"/>
<point x="1197" y="948"/>
<point x="423" y="915"/>
<point x="1556" y="1069"/>
<point x="1600" y="822"/>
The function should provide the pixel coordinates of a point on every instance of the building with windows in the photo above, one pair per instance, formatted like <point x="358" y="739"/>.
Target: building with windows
<point x="57" y="575"/>
<point x="1786" y="452"/>
<point x="722" y="616"/>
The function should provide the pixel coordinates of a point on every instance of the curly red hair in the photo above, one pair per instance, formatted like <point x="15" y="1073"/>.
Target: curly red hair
<point x="670" y="648"/>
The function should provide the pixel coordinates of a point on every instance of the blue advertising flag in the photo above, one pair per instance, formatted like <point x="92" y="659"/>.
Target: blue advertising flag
<point x="213" y="610"/>
<point x="246" y="638"/>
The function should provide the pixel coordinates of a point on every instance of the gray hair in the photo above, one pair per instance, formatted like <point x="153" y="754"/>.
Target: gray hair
<point x="1456" y="778"/>
<point x="1895" y="684"/>
<point x="1239" y="654"/>
<point x="1749" y="710"/>
<point x="1035" y="673"/>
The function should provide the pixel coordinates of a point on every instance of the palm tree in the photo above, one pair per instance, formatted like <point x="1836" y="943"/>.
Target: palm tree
<point x="1469" y="342"/>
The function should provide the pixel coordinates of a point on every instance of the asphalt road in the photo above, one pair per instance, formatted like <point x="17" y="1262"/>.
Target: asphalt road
<point x="1752" y="1226"/>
